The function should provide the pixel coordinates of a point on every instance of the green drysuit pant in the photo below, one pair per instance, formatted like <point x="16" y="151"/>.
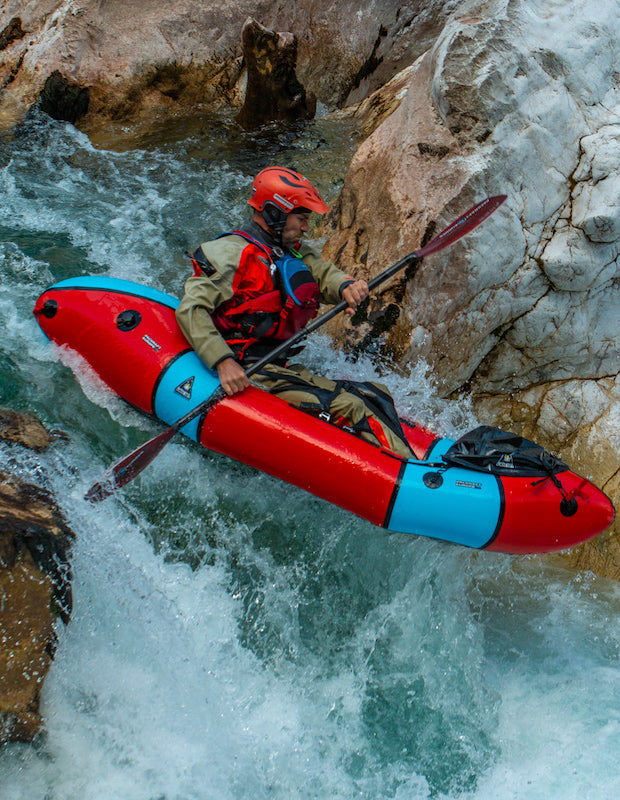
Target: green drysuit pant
<point x="303" y="389"/>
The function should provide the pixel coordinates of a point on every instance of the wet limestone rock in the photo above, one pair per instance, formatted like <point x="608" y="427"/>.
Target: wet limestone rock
<point x="530" y="295"/>
<point x="136" y="58"/>
<point x="273" y="91"/>
<point x="140" y="59"/>
<point x="23" y="429"/>
<point x="35" y="586"/>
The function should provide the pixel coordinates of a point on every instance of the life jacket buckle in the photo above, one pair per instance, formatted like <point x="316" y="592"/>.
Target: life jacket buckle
<point x="325" y="416"/>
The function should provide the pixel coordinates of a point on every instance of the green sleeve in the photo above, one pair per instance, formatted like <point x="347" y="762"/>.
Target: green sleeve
<point x="330" y="279"/>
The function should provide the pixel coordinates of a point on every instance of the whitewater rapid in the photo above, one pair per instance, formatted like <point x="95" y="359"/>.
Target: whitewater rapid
<point x="233" y="637"/>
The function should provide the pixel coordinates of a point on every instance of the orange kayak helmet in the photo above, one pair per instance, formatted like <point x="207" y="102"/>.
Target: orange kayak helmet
<point x="276" y="191"/>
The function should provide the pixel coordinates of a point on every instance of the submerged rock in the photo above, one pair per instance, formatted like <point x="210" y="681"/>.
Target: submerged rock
<point x="35" y="587"/>
<point x="23" y="429"/>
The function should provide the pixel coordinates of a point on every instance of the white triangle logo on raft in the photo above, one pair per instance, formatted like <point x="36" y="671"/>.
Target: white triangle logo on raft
<point x="185" y="388"/>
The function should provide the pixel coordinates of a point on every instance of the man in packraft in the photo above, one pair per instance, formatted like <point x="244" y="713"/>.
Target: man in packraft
<point x="257" y="286"/>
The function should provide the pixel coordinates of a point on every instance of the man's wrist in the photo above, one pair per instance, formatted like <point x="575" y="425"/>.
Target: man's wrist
<point x="344" y="285"/>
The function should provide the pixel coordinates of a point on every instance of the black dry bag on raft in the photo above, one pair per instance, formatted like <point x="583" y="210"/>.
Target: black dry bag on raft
<point x="488" y="449"/>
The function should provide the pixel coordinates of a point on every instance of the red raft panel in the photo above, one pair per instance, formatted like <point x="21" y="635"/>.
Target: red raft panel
<point x="128" y="335"/>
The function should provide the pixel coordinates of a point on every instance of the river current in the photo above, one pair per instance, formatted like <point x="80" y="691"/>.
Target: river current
<point x="234" y="638"/>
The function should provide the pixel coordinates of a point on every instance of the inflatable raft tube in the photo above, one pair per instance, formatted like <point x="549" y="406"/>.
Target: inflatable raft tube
<point x="488" y="490"/>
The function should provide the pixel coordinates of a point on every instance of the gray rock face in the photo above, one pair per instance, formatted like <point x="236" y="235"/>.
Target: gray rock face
<point x="530" y="296"/>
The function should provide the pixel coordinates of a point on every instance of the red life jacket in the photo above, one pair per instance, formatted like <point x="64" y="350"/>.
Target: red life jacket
<point x="274" y="297"/>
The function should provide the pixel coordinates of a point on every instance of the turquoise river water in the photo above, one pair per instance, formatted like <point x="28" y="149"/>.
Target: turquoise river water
<point x="234" y="638"/>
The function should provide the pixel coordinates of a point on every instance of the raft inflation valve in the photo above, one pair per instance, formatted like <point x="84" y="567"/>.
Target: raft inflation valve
<point x="48" y="309"/>
<point x="568" y="506"/>
<point x="128" y="320"/>
<point x="432" y="479"/>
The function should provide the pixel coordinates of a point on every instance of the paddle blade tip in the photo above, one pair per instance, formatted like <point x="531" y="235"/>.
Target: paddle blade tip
<point x="125" y="470"/>
<point x="101" y="489"/>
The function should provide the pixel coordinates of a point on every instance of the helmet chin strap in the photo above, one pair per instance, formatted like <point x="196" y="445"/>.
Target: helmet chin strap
<point x="275" y="218"/>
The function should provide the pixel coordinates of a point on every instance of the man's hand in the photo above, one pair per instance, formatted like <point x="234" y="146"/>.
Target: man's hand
<point x="232" y="376"/>
<point x="353" y="294"/>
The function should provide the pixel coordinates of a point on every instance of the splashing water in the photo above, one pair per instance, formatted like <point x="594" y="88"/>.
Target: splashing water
<point x="232" y="636"/>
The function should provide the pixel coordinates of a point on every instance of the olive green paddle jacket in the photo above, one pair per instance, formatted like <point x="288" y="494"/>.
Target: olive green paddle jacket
<point x="203" y="294"/>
